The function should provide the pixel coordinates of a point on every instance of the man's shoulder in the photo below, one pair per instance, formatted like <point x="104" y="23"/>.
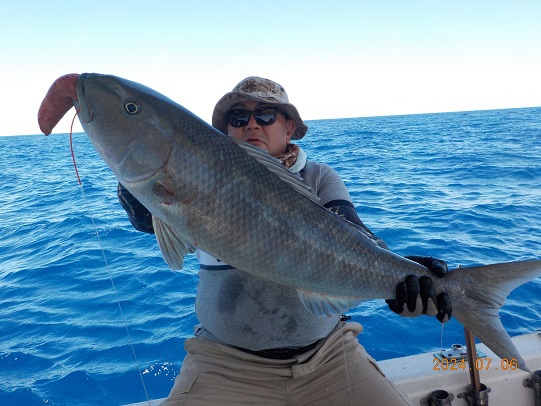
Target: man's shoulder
<point x="313" y="165"/>
<point x="317" y="169"/>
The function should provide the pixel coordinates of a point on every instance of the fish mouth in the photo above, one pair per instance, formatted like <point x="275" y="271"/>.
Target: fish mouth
<point x="82" y="103"/>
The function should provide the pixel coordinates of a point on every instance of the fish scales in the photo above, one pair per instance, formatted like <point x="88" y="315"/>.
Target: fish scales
<point x="249" y="218"/>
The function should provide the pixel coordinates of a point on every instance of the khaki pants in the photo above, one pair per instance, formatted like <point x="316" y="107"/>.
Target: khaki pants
<point x="337" y="372"/>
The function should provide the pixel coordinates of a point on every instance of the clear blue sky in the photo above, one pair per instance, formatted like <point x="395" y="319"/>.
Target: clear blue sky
<point x="349" y="58"/>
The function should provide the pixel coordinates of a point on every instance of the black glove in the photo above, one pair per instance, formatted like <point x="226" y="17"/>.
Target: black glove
<point x="139" y="216"/>
<point x="416" y="296"/>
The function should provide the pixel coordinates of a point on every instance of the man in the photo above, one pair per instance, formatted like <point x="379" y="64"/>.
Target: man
<point x="257" y="344"/>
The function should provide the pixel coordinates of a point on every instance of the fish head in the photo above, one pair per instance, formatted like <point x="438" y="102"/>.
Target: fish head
<point x="125" y="122"/>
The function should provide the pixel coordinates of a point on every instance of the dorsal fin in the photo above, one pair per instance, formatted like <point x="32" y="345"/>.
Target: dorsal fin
<point x="275" y="166"/>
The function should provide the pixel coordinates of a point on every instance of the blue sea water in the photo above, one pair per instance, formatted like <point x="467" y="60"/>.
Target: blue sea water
<point x="464" y="187"/>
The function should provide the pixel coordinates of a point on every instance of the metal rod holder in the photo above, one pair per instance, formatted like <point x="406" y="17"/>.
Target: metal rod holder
<point x="477" y="397"/>
<point x="440" y="398"/>
<point x="536" y="384"/>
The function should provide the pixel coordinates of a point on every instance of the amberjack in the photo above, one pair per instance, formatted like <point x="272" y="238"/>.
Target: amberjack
<point x="233" y="200"/>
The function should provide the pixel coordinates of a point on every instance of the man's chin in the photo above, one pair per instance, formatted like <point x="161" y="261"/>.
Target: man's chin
<point x="257" y="143"/>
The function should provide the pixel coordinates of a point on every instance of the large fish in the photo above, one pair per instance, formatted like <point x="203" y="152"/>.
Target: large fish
<point x="234" y="201"/>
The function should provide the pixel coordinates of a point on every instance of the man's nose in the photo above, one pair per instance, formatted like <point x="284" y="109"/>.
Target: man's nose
<point x="252" y="123"/>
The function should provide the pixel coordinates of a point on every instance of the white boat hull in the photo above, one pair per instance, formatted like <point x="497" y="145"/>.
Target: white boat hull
<point x="419" y="375"/>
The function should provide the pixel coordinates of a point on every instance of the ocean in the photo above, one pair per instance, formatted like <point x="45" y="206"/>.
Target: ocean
<point x="464" y="187"/>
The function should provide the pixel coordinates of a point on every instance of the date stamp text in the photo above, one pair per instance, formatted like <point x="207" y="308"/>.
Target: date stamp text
<point x="481" y="364"/>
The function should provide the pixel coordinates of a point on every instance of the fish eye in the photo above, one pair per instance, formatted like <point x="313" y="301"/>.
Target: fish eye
<point x="132" y="108"/>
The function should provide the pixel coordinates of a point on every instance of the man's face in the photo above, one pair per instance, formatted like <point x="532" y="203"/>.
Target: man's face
<point x="272" y="138"/>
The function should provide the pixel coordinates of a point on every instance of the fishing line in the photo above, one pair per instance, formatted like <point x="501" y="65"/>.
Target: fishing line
<point x="107" y="267"/>
<point x="441" y="338"/>
<point x="71" y="149"/>
<point x="442" y="326"/>
<point x="345" y="361"/>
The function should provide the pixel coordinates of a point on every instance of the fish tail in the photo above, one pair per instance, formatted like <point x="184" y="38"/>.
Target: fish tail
<point x="482" y="291"/>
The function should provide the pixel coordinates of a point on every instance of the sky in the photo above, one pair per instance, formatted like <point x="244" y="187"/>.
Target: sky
<point x="349" y="58"/>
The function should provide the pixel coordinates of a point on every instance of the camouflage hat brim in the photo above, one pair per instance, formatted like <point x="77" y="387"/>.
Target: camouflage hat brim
<point x="262" y="91"/>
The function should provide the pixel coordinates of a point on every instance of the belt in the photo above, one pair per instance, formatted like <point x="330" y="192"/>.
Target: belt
<point x="281" y="353"/>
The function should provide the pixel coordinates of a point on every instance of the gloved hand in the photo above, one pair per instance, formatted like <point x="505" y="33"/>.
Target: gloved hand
<point x="417" y="296"/>
<point x="139" y="216"/>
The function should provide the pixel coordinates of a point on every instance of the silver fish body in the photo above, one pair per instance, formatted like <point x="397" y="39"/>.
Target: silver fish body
<point x="234" y="201"/>
<point x="221" y="199"/>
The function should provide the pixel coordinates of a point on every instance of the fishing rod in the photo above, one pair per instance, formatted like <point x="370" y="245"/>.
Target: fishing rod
<point x="477" y="394"/>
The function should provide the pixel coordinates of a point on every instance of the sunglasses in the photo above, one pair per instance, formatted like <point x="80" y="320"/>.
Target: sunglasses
<point x="263" y="116"/>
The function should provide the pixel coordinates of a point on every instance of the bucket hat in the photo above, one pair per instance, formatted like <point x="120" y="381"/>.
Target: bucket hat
<point x="260" y="90"/>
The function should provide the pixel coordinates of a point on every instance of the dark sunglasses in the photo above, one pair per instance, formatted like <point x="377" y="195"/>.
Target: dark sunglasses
<point x="263" y="116"/>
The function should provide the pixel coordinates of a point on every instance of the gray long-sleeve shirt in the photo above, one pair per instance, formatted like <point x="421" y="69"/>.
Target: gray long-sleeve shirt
<point x="240" y="309"/>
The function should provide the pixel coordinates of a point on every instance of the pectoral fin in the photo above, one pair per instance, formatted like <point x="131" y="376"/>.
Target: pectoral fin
<point x="326" y="305"/>
<point x="173" y="247"/>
